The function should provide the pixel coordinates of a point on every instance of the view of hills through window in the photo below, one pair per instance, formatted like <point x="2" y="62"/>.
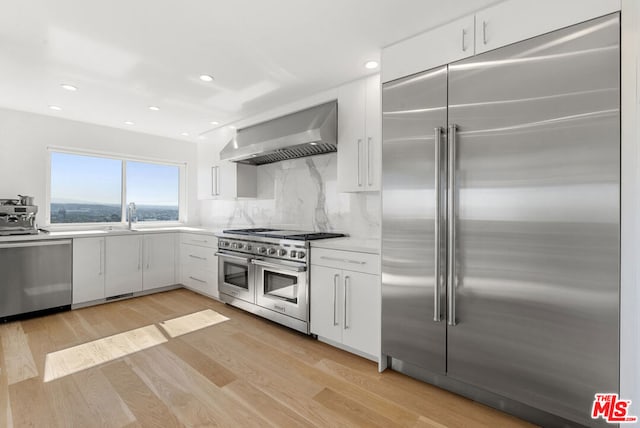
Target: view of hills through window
<point x="88" y="189"/>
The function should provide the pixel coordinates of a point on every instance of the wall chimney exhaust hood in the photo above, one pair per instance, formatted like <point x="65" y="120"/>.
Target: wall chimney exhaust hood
<point x="308" y="132"/>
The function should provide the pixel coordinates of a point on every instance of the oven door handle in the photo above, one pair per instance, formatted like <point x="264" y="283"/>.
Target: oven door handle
<point x="231" y="256"/>
<point x="279" y="266"/>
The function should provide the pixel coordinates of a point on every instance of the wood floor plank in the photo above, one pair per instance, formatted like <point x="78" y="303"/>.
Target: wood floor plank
<point x="207" y="367"/>
<point x="355" y="412"/>
<point x="148" y="409"/>
<point x="5" y="408"/>
<point x="277" y="414"/>
<point x="18" y="360"/>
<point x="23" y="396"/>
<point x="219" y="406"/>
<point x="102" y="399"/>
<point x="246" y="371"/>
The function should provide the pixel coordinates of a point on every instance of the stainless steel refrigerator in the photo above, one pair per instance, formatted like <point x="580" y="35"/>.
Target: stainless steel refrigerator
<point x="501" y="223"/>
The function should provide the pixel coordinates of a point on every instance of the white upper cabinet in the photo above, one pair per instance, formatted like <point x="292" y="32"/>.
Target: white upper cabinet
<point x="516" y="20"/>
<point x="359" y="134"/>
<point x="439" y="46"/>
<point x="500" y="25"/>
<point x="219" y="179"/>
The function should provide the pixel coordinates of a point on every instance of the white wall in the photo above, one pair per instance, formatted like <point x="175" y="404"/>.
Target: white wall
<point x="24" y="138"/>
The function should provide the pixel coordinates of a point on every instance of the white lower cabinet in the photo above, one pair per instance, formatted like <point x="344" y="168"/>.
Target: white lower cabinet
<point x="345" y="305"/>
<point x="199" y="264"/>
<point x="111" y="266"/>
<point x="88" y="269"/>
<point x="123" y="271"/>
<point x="159" y="252"/>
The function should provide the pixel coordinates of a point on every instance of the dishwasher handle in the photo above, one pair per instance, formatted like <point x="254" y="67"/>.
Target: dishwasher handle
<point x="35" y="243"/>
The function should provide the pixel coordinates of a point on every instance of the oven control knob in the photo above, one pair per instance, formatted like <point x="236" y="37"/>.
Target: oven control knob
<point x="240" y="246"/>
<point x="262" y="250"/>
<point x="234" y="245"/>
<point x="271" y="251"/>
<point x="301" y="254"/>
<point x="249" y="247"/>
<point x="282" y="252"/>
<point x="293" y="254"/>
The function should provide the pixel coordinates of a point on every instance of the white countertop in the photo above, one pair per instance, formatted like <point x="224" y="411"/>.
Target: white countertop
<point x="87" y="233"/>
<point x="361" y="245"/>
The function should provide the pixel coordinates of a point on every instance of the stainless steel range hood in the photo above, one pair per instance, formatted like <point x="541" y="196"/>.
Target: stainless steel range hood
<point x="305" y="133"/>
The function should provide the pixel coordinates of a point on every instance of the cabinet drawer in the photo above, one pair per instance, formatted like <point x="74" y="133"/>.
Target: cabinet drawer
<point x="201" y="240"/>
<point x="198" y="279"/>
<point x="348" y="260"/>
<point x="199" y="257"/>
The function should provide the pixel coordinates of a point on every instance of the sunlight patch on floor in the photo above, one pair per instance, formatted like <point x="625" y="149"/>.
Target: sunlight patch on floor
<point x="192" y="322"/>
<point x="71" y="360"/>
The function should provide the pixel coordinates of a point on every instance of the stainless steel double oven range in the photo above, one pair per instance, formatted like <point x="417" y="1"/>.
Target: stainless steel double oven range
<point x="266" y="272"/>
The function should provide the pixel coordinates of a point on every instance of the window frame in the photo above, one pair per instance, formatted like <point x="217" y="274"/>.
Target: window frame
<point x="182" y="190"/>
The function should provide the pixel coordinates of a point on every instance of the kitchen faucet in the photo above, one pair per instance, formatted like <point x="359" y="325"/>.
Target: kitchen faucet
<point x="131" y="211"/>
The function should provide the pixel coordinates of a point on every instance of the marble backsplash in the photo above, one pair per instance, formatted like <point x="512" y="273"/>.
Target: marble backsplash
<point x="299" y="194"/>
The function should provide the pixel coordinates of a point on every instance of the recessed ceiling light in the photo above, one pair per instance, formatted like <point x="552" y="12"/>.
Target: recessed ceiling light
<point x="206" y="78"/>
<point x="128" y="122"/>
<point x="56" y="108"/>
<point x="214" y="123"/>
<point x="371" y="65"/>
<point x="185" y="134"/>
<point x="314" y="144"/>
<point x="69" y="87"/>
<point x="154" y="108"/>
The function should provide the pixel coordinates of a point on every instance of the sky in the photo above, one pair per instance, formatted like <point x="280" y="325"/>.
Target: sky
<point x="87" y="179"/>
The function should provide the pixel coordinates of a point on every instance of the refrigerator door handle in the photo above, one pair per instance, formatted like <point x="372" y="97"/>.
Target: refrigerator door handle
<point x="437" y="139"/>
<point x="451" y="226"/>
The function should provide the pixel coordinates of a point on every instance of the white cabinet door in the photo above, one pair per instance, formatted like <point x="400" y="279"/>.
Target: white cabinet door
<point x="516" y="20"/>
<point x="373" y="147"/>
<point x="326" y="310"/>
<point x="159" y="253"/>
<point x="123" y="265"/>
<point x="88" y="269"/>
<point x="359" y="135"/>
<point x="361" y="317"/>
<point x="352" y="99"/>
<point x="442" y="45"/>
<point x="199" y="267"/>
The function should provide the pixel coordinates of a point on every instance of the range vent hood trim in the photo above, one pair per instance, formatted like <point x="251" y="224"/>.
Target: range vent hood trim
<point x="286" y="137"/>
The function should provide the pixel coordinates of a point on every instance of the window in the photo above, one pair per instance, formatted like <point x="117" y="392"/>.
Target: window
<point x="91" y="189"/>
<point x="154" y="188"/>
<point x="85" y="189"/>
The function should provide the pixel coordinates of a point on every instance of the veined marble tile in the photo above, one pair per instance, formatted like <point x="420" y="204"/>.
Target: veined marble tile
<point x="299" y="194"/>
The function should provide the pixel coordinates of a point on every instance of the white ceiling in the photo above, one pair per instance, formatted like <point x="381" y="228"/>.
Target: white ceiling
<point x="127" y="55"/>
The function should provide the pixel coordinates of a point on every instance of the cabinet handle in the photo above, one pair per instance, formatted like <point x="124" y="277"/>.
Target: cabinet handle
<point x="139" y="255"/>
<point x="359" y="174"/>
<point x="215" y="181"/>
<point x="464" y="35"/>
<point x="484" y="32"/>
<point x="346" y="287"/>
<point x="335" y="259"/>
<point x="369" y="161"/>
<point x="335" y="297"/>
<point x="101" y="255"/>
<point x="197" y="257"/>
<point x="198" y="279"/>
<point x="145" y="250"/>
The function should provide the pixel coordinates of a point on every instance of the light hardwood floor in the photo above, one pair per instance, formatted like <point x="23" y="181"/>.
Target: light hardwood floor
<point x="244" y="371"/>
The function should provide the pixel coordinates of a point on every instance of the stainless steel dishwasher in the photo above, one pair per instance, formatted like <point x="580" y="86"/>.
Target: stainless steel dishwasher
<point x="35" y="276"/>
